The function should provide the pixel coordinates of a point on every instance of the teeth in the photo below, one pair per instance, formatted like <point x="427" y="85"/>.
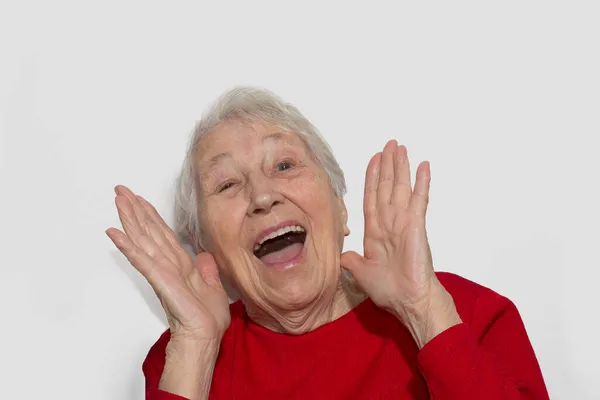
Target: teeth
<point x="279" y="232"/>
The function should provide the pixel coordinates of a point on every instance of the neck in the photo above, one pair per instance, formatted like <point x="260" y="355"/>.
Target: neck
<point x="321" y="311"/>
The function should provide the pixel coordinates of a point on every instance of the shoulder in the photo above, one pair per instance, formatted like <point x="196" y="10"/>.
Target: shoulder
<point x="461" y="287"/>
<point x="155" y="359"/>
<point x="476" y="303"/>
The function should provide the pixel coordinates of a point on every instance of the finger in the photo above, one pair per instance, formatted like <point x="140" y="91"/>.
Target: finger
<point x="206" y="264"/>
<point x="159" y="221"/>
<point x="125" y="191"/>
<point x="370" y="200"/>
<point x="128" y="219"/>
<point x="156" y="234"/>
<point x="133" y="198"/>
<point x="146" y="223"/>
<point x="402" y="191"/>
<point x="141" y="224"/>
<point x="136" y="257"/>
<point x="352" y="261"/>
<point x="164" y="234"/>
<point x="145" y="210"/>
<point x="357" y="265"/>
<point x="420" y="197"/>
<point x="121" y="190"/>
<point x="139" y="229"/>
<point x="386" y="174"/>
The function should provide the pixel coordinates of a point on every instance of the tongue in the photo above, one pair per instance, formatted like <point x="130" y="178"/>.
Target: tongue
<point x="284" y="255"/>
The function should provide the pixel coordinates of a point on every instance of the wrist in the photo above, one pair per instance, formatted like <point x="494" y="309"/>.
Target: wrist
<point x="189" y="366"/>
<point x="433" y="316"/>
<point x="191" y="350"/>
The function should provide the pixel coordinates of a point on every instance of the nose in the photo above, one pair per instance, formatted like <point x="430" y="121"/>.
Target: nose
<point x="263" y="196"/>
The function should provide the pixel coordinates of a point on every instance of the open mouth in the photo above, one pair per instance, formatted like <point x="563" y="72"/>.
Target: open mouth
<point x="283" y="245"/>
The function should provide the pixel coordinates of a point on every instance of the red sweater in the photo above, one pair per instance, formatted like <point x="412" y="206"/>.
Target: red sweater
<point x="369" y="354"/>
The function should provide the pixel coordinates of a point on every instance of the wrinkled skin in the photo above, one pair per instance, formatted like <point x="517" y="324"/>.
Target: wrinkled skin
<point x="247" y="191"/>
<point x="396" y="270"/>
<point x="254" y="176"/>
<point x="267" y="176"/>
<point x="195" y="302"/>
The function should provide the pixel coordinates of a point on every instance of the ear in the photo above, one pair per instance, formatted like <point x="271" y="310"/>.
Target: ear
<point x="344" y="217"/>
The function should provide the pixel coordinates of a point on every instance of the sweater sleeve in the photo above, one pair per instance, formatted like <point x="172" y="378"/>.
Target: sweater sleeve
<point x="157" y="394"/>
<point x="492" y="360"/>
<point x="152" y="368"/>
<point x="152" y="390"/>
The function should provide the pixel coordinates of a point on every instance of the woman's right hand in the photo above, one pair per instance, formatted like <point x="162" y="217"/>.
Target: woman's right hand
<point x="191" y="293"/>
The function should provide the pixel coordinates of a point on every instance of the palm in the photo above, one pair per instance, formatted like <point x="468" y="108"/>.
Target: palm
<point x="191" y="294"/>
<point x="397" y="259"/>
<point x="190" y="305"/>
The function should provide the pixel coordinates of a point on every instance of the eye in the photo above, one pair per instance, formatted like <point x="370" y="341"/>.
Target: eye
<point x="283" y="166"/>
<point x="225" y="186"/>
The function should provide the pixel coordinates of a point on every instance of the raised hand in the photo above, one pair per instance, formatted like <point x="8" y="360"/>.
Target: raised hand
<point x="396" y="270"/>
<point x="195" y="302"/>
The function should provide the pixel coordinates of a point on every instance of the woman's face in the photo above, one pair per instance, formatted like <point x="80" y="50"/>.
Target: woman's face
<point x="269" y="215"/>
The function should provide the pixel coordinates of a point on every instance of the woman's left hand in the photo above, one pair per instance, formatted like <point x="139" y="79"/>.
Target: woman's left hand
<point x="396" y="271"/>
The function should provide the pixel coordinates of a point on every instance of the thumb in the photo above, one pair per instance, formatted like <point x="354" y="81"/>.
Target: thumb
<point x="206" y="264"/>
<point x="351" y="261"/>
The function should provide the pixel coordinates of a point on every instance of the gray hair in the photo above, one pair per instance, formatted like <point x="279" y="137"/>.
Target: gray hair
<point x="247" y="104"/>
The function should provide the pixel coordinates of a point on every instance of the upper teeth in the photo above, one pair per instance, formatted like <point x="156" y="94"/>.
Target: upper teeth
<point x="279" y="232"/>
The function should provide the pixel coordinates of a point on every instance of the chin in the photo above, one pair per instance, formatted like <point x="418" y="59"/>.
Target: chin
<point x="298" y="289"/>
<point x="292" y="274"/>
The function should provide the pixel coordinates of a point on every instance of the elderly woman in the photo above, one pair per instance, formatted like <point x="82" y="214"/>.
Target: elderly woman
<point x="260" y="197"/>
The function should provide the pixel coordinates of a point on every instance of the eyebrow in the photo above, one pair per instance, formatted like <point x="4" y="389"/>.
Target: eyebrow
<point x="276" y="137"/>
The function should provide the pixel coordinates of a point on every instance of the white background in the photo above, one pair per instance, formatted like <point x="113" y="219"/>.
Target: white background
<point x="503" y="99"/>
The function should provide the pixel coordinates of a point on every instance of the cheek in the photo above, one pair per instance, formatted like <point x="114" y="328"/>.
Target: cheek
<point x="224" y="220"/>
<point x="324" y="215"/>
<point x="328" y="219"/>
<point x="315" y="191"/>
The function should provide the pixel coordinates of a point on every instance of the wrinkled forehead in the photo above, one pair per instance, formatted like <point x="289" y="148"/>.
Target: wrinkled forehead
<point x="234" y="138"/>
